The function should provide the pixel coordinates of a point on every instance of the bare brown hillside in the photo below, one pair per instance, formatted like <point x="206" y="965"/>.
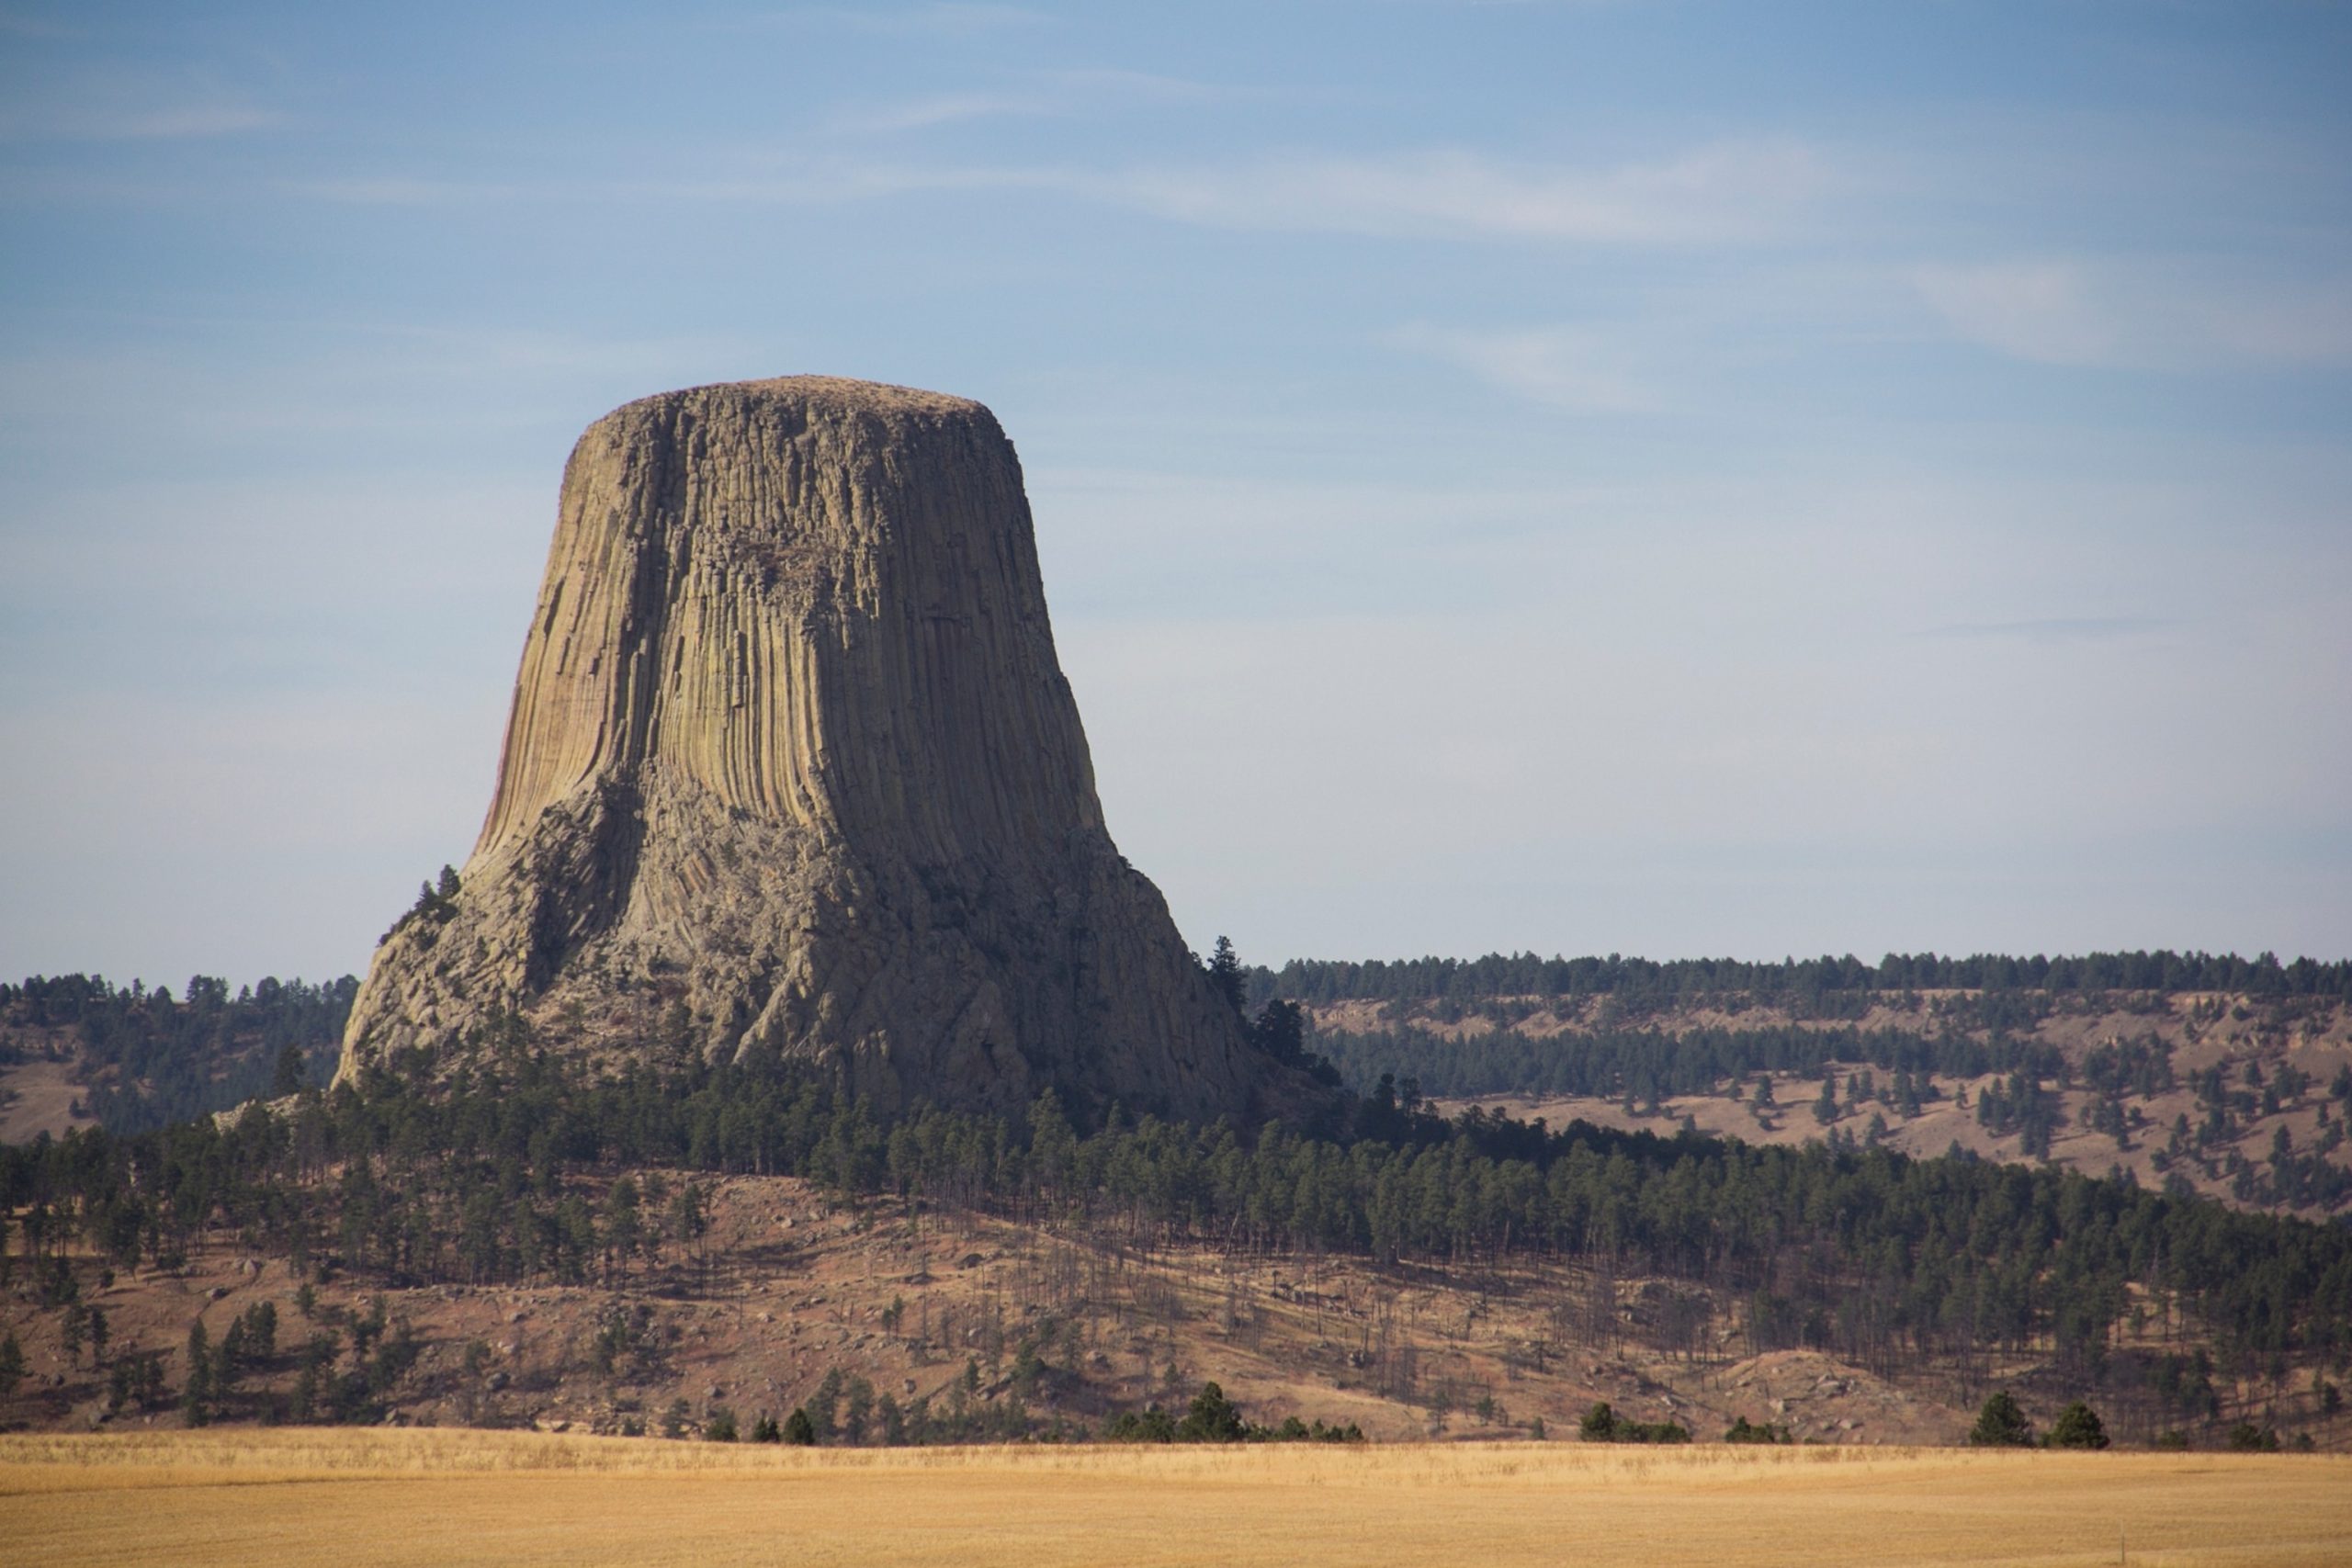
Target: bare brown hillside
<point x="2152" y="1113"/>
<point x="972" y="1316"/>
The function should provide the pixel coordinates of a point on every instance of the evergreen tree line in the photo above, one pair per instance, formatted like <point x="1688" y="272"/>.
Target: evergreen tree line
<point x="151" y="1058"/>
<point x="1321" y="981"/>
<point x="511" y="1172"/>
<point x="1651" y="1064"/>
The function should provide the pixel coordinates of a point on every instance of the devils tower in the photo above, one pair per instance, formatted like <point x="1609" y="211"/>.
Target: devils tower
<point x="792" y="764"/>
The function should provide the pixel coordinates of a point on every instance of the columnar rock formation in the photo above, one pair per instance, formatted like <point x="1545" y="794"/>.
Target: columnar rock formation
<point x="791" y="762"/>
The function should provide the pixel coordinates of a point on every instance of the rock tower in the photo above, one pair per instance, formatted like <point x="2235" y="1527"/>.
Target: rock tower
<point x="791" y="761"/>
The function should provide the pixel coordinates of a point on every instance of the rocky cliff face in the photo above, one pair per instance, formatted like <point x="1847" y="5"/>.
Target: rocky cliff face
<point x="791" y="762"/>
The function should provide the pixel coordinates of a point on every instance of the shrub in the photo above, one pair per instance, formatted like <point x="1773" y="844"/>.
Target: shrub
<point x="2001" y="1425"/>
<point x="1603" y="1424"/>
<point x="1742" y="1432"/>
<point x="1212" y="1419"/>
<point x="2079" y="1427"/>
<point x="1153" y="1425"/>
<point x="2245" y="1437"/>
<point x="1652" y="1432"/>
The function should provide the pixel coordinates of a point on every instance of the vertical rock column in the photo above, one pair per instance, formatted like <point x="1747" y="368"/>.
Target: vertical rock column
<point x="791" y="761"/>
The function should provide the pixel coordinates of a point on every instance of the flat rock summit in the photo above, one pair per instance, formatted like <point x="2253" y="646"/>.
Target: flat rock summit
<point x="792" y="764"/>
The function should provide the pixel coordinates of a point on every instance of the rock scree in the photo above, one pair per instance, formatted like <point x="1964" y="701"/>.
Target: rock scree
<point x="791" y="764"/>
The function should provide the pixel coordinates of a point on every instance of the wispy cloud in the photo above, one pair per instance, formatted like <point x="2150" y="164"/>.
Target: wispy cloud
<point x="2039" y="311"/>
<point x="1719" y="192"/>
<point x="2077" y="312"/>
<point x="402" y="190"/>
<point x="1087" y="90"/>
<point x="1145" y="85"/>
<point x="943" y="21"/>
<point x="2055" y="630"/>
<point x="161" y="123"/>
<point x="943" y="108"/>
<point x="137" y="107"/>
<point x="812" y="181"/>
<point x="1573" y="367"/>
<point x="1736" y="189"/>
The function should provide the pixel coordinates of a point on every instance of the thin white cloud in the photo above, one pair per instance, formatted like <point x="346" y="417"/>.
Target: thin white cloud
<point x="1144" y="84"/>
<point x="814" y="181"/>
<point x="2038" y="310"/>
<point x="945" y="108"/>
<point x="2052" y="629"/>
<point x="129" y="106"/>
<point x="1723" y="193"/>
<point x="401" y="190"/>
<point x="117" y="122"/>
<point x="1726" y="190"/>
<point x="1034" y="93"/>
<point x="2077" y="312"/>
<point x="1720" y="193"/>
<point x="944" y="20"/>
<point x="1572" y="368"/>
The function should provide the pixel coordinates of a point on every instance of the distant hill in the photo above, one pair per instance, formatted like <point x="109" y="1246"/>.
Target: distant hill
<point x="2220" y="1075"/>
<point x="75" y="1050"/>
<point x="732" y="1243"/>
<point x="654" y="1247"/>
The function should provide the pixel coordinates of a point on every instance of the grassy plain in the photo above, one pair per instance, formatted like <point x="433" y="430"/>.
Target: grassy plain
<point x="354" y="1499"/>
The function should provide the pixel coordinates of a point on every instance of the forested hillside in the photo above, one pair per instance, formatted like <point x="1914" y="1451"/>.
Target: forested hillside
<point x="140" y="1057"/>
<point x="1407" y="1264"/>
<point x="2218" y="1074"/>
<point x="1943" y="1274"/>
<point x="1801" y="982"/>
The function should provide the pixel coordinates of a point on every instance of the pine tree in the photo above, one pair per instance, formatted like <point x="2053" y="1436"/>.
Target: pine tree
<point x="196" y="1396"/>
<point x="2001" y="1425"/>
<point x="1225" y="973"/>
<point x="2079" y="1427"/>
<point x="1212" y="1418"/>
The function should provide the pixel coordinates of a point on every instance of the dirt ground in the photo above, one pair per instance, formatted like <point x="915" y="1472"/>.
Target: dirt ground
<point x="38" y="1097"/>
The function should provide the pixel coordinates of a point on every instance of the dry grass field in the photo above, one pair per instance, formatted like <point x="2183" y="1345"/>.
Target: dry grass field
<point x="358" y="1498"/>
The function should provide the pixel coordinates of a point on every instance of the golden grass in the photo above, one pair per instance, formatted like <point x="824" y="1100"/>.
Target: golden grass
<point x="353" y="1499"/>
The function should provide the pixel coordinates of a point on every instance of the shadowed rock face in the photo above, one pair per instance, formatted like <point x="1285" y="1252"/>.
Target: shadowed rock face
<point x="791" y="761"/>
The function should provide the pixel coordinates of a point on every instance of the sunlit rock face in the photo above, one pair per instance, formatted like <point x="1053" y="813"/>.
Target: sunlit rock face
<point x="791" y="762"/>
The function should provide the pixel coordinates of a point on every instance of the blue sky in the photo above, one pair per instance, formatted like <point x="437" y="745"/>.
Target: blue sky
<point x="1662" y="477"/>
